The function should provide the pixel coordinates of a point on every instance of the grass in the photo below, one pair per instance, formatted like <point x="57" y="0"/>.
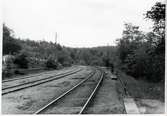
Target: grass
<point x="142" y="89"/>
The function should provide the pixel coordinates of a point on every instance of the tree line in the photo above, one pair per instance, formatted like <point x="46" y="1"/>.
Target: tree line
<point x="138" y="53"/>
<point x="29" y="53"/>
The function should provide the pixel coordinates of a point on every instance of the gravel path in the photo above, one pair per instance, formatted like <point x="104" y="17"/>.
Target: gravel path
<point x="31" y="99"/>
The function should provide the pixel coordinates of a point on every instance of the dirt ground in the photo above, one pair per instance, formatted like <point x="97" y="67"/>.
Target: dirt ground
<point x="29" y="100"/>
<point x="150" y="106"/>
<point x="107" y="100"/>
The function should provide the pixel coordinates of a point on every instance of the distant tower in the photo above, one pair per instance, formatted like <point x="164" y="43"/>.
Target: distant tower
<point x="56" y="38"/>
<point x="108" y="50"/>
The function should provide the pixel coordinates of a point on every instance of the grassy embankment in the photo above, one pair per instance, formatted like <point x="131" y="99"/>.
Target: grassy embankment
<point x="140" y="88"/>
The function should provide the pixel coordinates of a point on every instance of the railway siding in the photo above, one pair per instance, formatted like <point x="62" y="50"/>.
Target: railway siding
<point x="34" y="75"/>
<point x="29" y="78"/>
<point x="36" y="82"/>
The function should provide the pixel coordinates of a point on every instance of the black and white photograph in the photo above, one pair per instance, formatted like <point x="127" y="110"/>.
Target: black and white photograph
<point x="83" y="57"/>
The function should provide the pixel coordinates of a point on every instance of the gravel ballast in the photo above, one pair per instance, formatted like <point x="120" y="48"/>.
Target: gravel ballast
<point x="29" y="100"/>
<point x="106" y="100"/>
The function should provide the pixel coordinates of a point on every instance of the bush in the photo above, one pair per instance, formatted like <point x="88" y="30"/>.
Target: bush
<point x="6" y="73"/>
<point x="18" y="72"/>
<point x="66" y="63"/>
<point x="21" y="61"/>
<point x="51" y="63"/>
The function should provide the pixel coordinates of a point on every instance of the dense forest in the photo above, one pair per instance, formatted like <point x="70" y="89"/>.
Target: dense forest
<point x="39" y="52"/>
<point x="139" y="54"/>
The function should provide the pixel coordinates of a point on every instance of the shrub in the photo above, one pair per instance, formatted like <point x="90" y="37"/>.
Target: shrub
<point x="51" y="63"/>
<point x="21" y="61"/>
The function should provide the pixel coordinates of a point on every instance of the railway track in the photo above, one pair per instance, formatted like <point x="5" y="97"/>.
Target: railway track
<point x="18" y="87"/>
<point x="8" y="87"/>
<point x="78" y="96"/>
<point x="25" y="77"/>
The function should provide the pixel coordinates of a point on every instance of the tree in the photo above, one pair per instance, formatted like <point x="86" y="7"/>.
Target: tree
<point x="10" y="45"/>
<point x="131" y="39"/>
<point x="157" y="15"/>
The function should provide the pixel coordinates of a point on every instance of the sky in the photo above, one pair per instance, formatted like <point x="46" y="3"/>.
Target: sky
<point x="78" y="23"/>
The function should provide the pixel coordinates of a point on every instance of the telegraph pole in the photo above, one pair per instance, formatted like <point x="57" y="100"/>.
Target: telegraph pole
<point x="56" y="38"/>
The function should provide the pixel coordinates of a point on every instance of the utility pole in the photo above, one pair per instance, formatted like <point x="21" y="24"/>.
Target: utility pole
<point x="108" y="50"/>
<point x="56" y="38"/>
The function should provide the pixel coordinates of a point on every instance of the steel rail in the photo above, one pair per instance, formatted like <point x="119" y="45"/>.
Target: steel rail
<point x="62" y="95"/>
<point x="92" y="95"/>
<point x="28" y="76"/>
<point x="42" y="79"/>
<point x="35" y="84"/>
